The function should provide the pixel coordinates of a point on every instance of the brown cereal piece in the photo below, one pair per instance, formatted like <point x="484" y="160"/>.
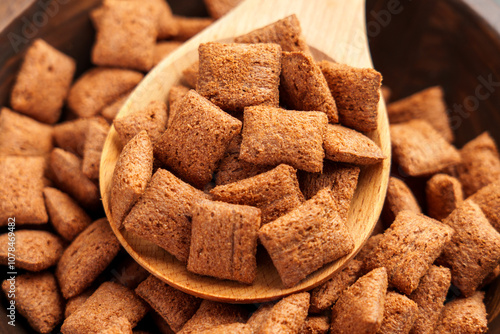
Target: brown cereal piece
<point x="163" y="49"/>
<point x="109" y="112"/>
<point x="360" y="309"/>
<point x="325" y="295"/>
<point x="132" y="173"/>
<point x="126" y="35"/>
<point x="474" y="250"/>
<point x="109" y="301"/>
<point x="196" y="139"/>
<point x="275" y="192"/>
<point x="386" y="93"/>
<point x="21" y="190"/>
<point x="98" y="87"/>
<point x="341" y="179"/>
<point x="177" y="92"/>
<point x="316" y="325"/>
<point x="92" y="149"/>
<point x="464" y="315"/>
<point x="219" y="8"/>
<point x="346" y="145"/>
<point x="75" y="302"/>
<point x="21" y="135"/>
<point x="224" y="241"/>
<point x="86" y="257"/>
<point x="43" y="82"/>
<point x="368" y="248"/>
<point x="71" y="135"/>
<point x="163" y="213"/>
<point x="67" y="217"/>
<point x="236" y="328"/>
<point x="234" y="76"/>
<point x="356" y="92"/>
<point x="174" y="306"/>
<point x="165" y="22"/>
<point x="153" y="119"/>
<point x="38" y="299"/>
<point x="491" y="277"/>
<point x="190" y="26"/>
<point x="420" y="150"/>
<point x="428" y="105"/>
<point x="272" y="136"/>
<point x="34" y="250"/>
<point x="430" y="296"/>
<point x="259" y="317"/>
<point x="212" y="314"/>
<point x="480" y="164"/>
<point x="399" y="198"/>
<point x="306" y="238"/>
<point x="191" y="74"/>
<point x="288" y="315"/>
<point x="488" y="199"/>
<point x="444" y="194"/>
<point x="399" y="314"/>
<point x="117" y="325"/>
<point x="303" y="86"/>
<point x="232" y="169"/>
<point x="286" y="32"/>
<point x="408" y="248"/>
<point x="66" y="169"/>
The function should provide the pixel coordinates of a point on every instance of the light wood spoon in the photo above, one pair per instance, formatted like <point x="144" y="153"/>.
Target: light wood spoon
<point x="334" y="27"/>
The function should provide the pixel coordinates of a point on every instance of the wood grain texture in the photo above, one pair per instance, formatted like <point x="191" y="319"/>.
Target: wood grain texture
<point x="337" y="29"/>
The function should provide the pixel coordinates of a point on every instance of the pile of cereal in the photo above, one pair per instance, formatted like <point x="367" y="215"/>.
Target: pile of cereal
<point x="283" y="177"/>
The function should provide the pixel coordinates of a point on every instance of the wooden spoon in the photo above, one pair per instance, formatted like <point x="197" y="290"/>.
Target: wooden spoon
<point x="334" y="27"/>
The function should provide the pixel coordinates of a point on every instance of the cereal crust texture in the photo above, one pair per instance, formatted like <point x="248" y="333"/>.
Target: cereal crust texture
<point x="316" y="325"/>
<point x="288" y="315"/>
<point x="272" y="136"/>
<point x="71" y="135"/>
<point x="187" y="27"/>
<point x="92" y="149"/>
<point x="306" y="238"/>
<point x="399" y="198"/>
<point x="444" y="194"/>
<point x="234" y="76"/>
<point x="464" y="315"/>
<point x="488" y="199"/>
<point x="399" y="314"/>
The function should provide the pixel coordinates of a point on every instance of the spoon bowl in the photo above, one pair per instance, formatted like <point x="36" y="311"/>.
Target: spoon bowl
<point x="334" y="29"/>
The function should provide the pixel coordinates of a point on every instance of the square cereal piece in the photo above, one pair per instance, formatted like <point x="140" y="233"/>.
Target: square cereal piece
<point x="306" y="238"/>
<point x="175" y="306"/>
<point x="73" y="303"/>
<point x="288" y="315"/>
<point x="488" y="199"/>
<point x="464" y="315"/>
<point x="126" y="35"/>
<point x="219" y="8"/>
<point x="187" y="27"/>
<point x="346" y="145"/>
<point x="66" y="172"/>
<point x="420" y="150"/>
<point x="275" y="192"/>
<point x="86" y="258"/>
<point x="285" y="32"/>
<point x="134" y="163"/>
<point x="443" y="194"/>
<point x="163" y="213"/>
<point x="368" y="248"/>
<point x="71" y="135"/>
<point x="303" y="86"/>
<point x="325" y="295"/>
<point x="430" y="296"/>
<point x="428" y="105"/>
<point x="38" y="299"/>
<point x="408" y="248"/>
<point x="474" y="250"/>
<point x="92" y="149"/>
<point x="480" y="164"/>
<point x="360" y="308"/>
<point x="43" y="82"/>
<point x="316" y="325"/>
<point x="399" y="198"/>
<point x="341" y="179"/>
<point x="399" y="314"/>
<point x="224" y="241"/>
<point x="98" y="87"/>
<point x="110" y="111"/>
<point x="234" y="76"/>
<point x="190" y="75"/>
<point x="67" y="217"/>
<point x="259" y="317"/>
<point x="21" y="193"/>
<point x="110" y="300"/>
<point x="163" y="49"/>
<point x="21" y="135"/>
<point x="356" y="93"/>
<point x="272" y="136"/>
<point x="196" y="139"/>
<point x="231" y="169"/>
<point x="212" y="314"/>
<point x="35" y="250"/>
<point x="153" y="119"/>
